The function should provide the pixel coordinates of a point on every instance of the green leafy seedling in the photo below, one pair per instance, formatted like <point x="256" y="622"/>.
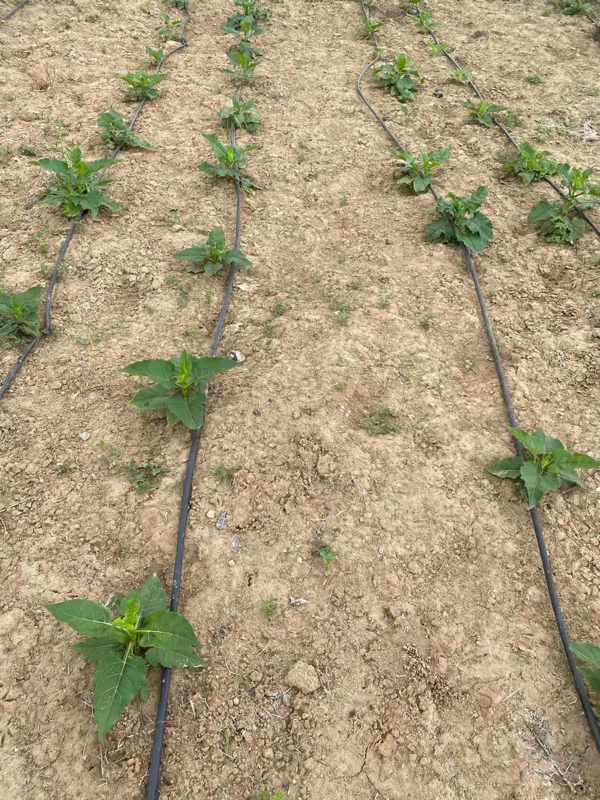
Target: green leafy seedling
<point x="212" y="255"/>
<point x="77" y="189"/>
<point x="19" y="315"/>
<point x="461" y="75"/>
<point x="416" y="171"/>
<point x="172" y="29"/>
<point x="439" y="48"/>
<point x="560" y="223"/>
<point x="144" y="634"/>
<point x="250" y="15"/>
<point x="327" y="554"/>
<point x="380" y="423"/>
<point x="179" y="386"/>
<point x="589" y="654"/>
<point x="424" y="21"/>
<point x="546" y="466"/>
<point x="141" y="85"/>
<point x="457" y="219"/>
<point x="244" y="66"/>
<point x="575" y="8"/>
<point x="146" y="476"/>
<point x="371" y="27"/>
<point x="535" y="80"/>
<point x="240" y="115"/>
<point x="116" y="134"/>
<point x="246" y="47"/>
<point x="268" y="607"/>
<point x="263" y="794"/>
<point x="401" y="79"/>
<point x="481" y="112"/>
<point x="155" y="56"/>
<point x="530" y="165"/>
<point x="231" y="159"/>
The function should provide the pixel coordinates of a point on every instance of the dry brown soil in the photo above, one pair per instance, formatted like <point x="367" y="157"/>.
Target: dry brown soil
<point x="439" y="668"/>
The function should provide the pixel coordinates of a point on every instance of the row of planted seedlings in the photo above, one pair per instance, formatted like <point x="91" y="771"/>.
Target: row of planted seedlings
<point x="561" y="222"/>
<point x="542" y="463"/>
<point x="143" y="629"/>
<point x="78" y="188"/>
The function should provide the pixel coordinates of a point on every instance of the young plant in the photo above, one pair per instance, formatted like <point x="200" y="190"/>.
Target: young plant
<point x="416" y="171"/>
<point x="179" y="385"/>
<point x="245" y="46"/>
<point x="457" y="219"/>
<point x="380" y="423"/>
<point x="268" y="607"/>
<point x="141" y="85"/>
<point x="249" y="11"/>
<point x="244" y="66"/>
<point x="225" y="474"/>
<point x="155" y="56"/>
<point x="560" y="222"/>
<point x="327" y="555"/>
<point x="172" y="30"/>
<point x="461" y="75"/>
<point x="530" y="165"/>
<point x="77" y="189"/>
<point x="424" y="21"/>
<point x="19" y="315"/>
<point x="263" y="794"/>
<point x="536" y="80"/>
<point x="371" y="27"/>
<point x="481" y="111"/>
<point x="212" y="256"/>
<point x="231" y="159"/>
<point x="575" y="8"/>
<point x="400" y="79"/>
<point x="546" y="466"/>
<point x="589" y="654"/>
<point x="239" y="116"/>
<point x="143" y="634"/>
<point x="116" y="134"/>
<point x="146" y="476"/>
<point x="438" y="49"/>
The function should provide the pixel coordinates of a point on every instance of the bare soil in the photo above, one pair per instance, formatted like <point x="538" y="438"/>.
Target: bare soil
<point x="440" y="671"/>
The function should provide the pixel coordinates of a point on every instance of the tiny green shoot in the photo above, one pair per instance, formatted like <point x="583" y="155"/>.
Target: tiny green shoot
<point x="145" y="476"/>
<point x="461" y="75"/>
<point x="268" y="607"/>
<point x="380" y="423"/>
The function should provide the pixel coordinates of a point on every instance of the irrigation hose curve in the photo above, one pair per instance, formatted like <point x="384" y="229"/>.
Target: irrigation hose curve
<point x="580" y="212"/>
<point x="543" y="550"/>
<point x="16" y="368"/>
<point x="186" y="498"/>
<point x="13" y="11"/>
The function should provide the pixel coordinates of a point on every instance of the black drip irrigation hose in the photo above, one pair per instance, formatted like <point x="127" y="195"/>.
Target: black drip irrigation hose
<point x="13" y="11"/>
<point x="548" y="574"/>
<point x="16" y="368"/>
<point x="186" y="498"/>
<point x="511" y="139"/>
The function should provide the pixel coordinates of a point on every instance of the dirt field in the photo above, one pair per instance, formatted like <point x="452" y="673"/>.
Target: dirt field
<point x="440" y="671"/>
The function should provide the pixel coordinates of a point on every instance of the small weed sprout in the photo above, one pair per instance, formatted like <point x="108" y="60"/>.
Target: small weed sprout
<point x="240" y="115"/>
<point x="481" y="112"/>
<point x="155" y="56"/>
<point x="144" y="634"/>
<point x="530" y="165"/>
<point x="371" y="27"/>
<point x="212" y="256"/>
<point x="280" y="308"/>
<point x="268" y="607"/>
<point x="263" y="794"/>
<point x="225" y="474"/>
<point x="77" y="189"/>
<point x="230" y="160"/>
<point x="546" y="466"/>
<point x="178" y="388"/>
<point x="19" y="315"/>
<point x="327" y="554"/>
<point x="536" y="80"/>
<point x="116" y="134"/>
<point x="428" y="321"/>
<point x="172" y="29"/>
<point x="589" y="654"/>
<point x="141" y="85"/>
<point x="424" y="21"/>
<point x="416" y="171"/>
<point x="560" y="222"/>
<point x="401" y="79"/>
<point x="47" y="270"/>
<point x="380" y="423"/>
<point x="461" y="75"/>
<point x="457" y="219"/>
<point x="438" y="49"/>
<point x="575" y="8"/>
<point x="146" y="476"/>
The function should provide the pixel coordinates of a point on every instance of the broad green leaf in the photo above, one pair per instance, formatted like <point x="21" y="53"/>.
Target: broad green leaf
<point x="536" y="485"/>
<point x="420" y="183"/>
<point x="101" y="163"/>
<point x="168" y="630"/>
<point x="30" y="297"/>
<point x="150" y="397"/>
<point x="117" y="682"/>
<point x="84" y="616"/>
<point x="507" y="467"/>
<point x="479" y="196"/>
<point x="563" y="461"/>
<point x="543" y="210"/>
<point x="173" y="658"/>
<point x="157" y="369"/>
<point x="96" y="648"/>
<point x="474" y="241"/>
<point x="550" y="442"/>
<point x="191" y="254"/>
<point x="237" y="257"/>
<point x="531" y="441"/>
<point x="592" y="676"/>
<point x="587" y="652"/>
<point x="188" y="410"/>
<point x="150" y="595"/>
<point x="216" y="238"/>
<point x="208" y="367"/>
<point x="571" y="478"/>
<point x="53" y="165"/>
<point x="438" y="231"/>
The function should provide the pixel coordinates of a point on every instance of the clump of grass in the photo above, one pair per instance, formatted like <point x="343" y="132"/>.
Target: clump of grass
<point x="268" y="607"/>
<point x="380" y="423"/>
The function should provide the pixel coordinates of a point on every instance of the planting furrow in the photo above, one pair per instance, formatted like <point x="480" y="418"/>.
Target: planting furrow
<point x="473" y="240"/>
